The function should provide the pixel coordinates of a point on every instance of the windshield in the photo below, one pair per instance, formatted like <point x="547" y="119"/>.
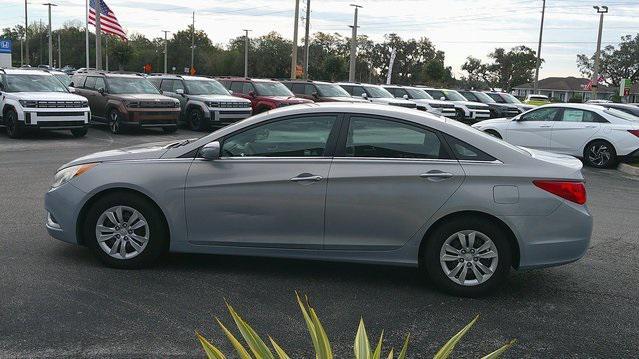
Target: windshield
<point x="205" y="87"/>
<point x="469" y="96"/>
<point x="64" y="78"/>
<point x="131" y="85"/>
<point x="453" y="95"/>
<point x="633" y="110"/>
<point x="329" y="90"/>
<point x="483" y="97"/>
<point x="510" y="98"/>
<point x="272" y="89"/>
<point x="538" y="97"/>
<point x="378" y="92"/>
<point x="621" y="114"/>
<point x="419" y="94"/>
<point x="34" y="83"/>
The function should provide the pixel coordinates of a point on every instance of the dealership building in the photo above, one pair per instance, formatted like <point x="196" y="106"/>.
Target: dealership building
<point x="564" y="88"/>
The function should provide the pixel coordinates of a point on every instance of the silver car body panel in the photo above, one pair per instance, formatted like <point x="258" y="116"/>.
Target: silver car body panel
<point x="377" y="210"/>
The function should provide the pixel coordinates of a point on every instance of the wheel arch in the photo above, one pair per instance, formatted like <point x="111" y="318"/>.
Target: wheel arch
<point x="505" y="228"/>
<point x="8" y="107"/>
<point x="594" y="139"/>
<point x="125" y="191"/>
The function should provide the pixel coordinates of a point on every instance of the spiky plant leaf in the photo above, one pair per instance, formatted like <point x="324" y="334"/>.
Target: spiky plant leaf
<point x="241" y="352"/>
<point x="252" y="339"/>
<point x="497" y="353"/>
<point x="310" y="326"/>
<point x="445" y="351"/>
<point x="211" y="351"/>
<point x="324" y="344"/>
<point x="280" y="352"/>
<point x="390" y="355"/>
<point x="362" y="346"/>
<point x="378" y="349"/>
<point x="402" y="354"/>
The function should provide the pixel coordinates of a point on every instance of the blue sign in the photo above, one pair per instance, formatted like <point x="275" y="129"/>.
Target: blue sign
<point x="5" y="46"/>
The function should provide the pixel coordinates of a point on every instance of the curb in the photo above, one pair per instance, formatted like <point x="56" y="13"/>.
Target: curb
<point x="628" y="169"/>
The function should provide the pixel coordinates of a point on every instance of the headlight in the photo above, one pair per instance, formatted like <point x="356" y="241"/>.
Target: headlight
<point x="85" y="103"/>
<point x="213" y="104"/>
<point x="65" y="175"/>
<point x="133" y="104"/>
<point x="176" y="104"/>
<point x="28" y="103"/>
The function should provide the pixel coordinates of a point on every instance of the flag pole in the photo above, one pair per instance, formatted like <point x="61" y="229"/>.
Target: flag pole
<point x="86" y="30"/>
<point x="98" y="37"/>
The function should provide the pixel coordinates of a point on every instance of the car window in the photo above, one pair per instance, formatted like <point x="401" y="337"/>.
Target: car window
<point x="178" y="85"/>
<point x="78" y="80"/>
<point x="348" y="89"/>
<point x="497" y="98"/>
<point x="237" y="87"/>
<point x="576" y="115"/>
<point x="100" y="84"/>
<point x="298" y="88"/>
<point x="542" y="114"/>
<point x="373" y="137"/>
<point x="90" y="83"/>
<point x="464" y="151"/>
<point x="357" y="91"/>
<point x="247" y="87"/>
<point x="167" y="85"/>
<point x="469" y="96"/>
<point x="399" y="93"/>
<point x="295" y="137"/>
<point x="155" y="81"/>
<point x="309" y="90"/>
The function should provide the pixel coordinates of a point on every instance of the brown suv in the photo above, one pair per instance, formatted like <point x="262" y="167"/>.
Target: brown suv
<point x="120" y="100"/>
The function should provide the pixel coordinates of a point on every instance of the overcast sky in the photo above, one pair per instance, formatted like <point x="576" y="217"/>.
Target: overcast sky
<point x="458" y="27"/>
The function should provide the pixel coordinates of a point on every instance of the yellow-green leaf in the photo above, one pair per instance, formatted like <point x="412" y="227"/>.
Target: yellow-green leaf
<point x="280" y="352"/>
<point x="241" y="352"/>
<point x="362" y="347"/>
<point x="309" y="325"/>
<point x="402" y="354"/>
<point x="447" y="349"/>
<point x="378" y="349"/>
<point x="497" y="353"/>
<point x="322" y="338"/>
<point x="255" y="343"/>
<point x="211" y="351"/>
<point x="390" y="355"/>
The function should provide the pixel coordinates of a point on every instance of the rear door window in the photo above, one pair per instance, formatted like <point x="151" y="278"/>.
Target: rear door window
<point x="237" y="87"/>
<point x="297" y="88"/>
<point x="247" y="87"/>
<point x="542" y="114"/>
<point x="90" y="83"/>
<point x="309" y="89"/>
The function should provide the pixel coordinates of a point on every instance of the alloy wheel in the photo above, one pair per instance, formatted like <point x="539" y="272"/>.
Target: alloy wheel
<point x="122" y="232"/>
<point x="196" y="120"/>
<point x="599" y="154"/>
<point x="114" y="124"/>
<point x="469" y="258"/>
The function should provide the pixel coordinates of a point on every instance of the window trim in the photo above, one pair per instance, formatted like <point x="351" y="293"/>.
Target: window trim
<point x="329" y="150"/>
<point x="560" y="111"/>
<point x="340" y="150"/>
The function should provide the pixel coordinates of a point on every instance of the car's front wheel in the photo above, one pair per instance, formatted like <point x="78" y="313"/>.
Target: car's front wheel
<point x="14" y="127"/>
<point x="115" y="124"/>
<point x="467" y="256"/>
<point x="600" y="154"/>
<point x="197" y="122"/>
<point x="79" y="132"/>
<point x="125" y="231"/>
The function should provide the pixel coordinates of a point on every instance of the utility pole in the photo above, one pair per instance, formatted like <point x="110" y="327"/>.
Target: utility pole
<point x="541" y="34"/>
<point x="26" y="30"/>
<point x="595" y="74"/>
<point x="59" y="51"/>
<point x="86" y="32"/>
<point x="50" y="38"/>
<point x="98" y="37"/>
<point x="106" y="53"/>
<point x="21" y="52"/>
<point x="192" y="42"/>
<point x="294" y="54"/>
<point x="165" y="48"/>
<point x="351" y="68"/>
<point x="246" y="46"/>
<point x="306" y="40"/>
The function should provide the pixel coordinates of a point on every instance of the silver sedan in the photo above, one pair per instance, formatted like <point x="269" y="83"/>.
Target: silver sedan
<point x="344" y="182"/>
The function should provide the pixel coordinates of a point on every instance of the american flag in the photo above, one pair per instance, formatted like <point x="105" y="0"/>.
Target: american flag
<point x="108" y="22"/>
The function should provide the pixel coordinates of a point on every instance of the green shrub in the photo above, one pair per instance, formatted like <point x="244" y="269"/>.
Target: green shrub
<point x="257" y="348"/>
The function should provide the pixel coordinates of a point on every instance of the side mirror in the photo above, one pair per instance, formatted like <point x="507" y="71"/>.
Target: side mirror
<point x="315" y="95"/>
<point x="364" y="95"/>
<point x="71" y="89"/>
<point x="405" y="97"/>
<point x="230" y="92"/>
<point x="71" y="84"/>
<point x="251" y="93"/>
<point x="443" y="98"/>
<point x="101" y="91"/>
<point x="210" y="151"/>
<point x="180" y="92"/>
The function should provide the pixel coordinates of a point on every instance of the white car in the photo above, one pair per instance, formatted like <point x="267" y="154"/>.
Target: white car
<point x="424" y="101"/>
<point x="468" y="111"/>
<point x="375" y="94"/>
<point x="34" y="99"/>
<point x="600" y="136"/>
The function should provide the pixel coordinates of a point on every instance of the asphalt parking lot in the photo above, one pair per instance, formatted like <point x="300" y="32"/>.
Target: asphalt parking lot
<point x="56" y="300"/>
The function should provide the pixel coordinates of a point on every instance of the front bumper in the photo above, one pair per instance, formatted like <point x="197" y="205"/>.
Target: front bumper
<point x="63" y="206"/>
<point x="160" y="117"/>
<point x="228" y="116"/>
<point x="56" y="119"/>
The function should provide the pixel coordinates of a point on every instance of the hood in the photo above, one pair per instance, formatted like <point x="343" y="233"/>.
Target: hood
<point x="139" y="152"/>
<point x="343" y="99"/>
<point x="227" y="98"/>
<point x="391" y="100"/>
<point x="492" y="121"/>
<point x="143" y="97"/>
<point x="555" y="158"/>
<point x="470" y="103"/>
<point x="49" y="96"/>
<point x="503" y="106"/>
<point x="429" y="101"/>
<point x="288" y="99"/>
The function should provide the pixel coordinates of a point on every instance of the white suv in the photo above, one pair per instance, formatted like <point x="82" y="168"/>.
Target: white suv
<point x="467" y="111"/>
<point x="375" y="94"/>
<point x="423" y="100"/>
<point x="32" y="99"/>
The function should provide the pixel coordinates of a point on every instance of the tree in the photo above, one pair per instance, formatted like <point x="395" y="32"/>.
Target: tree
<point x="616" y="63"/>
<point x="508" y="68"/>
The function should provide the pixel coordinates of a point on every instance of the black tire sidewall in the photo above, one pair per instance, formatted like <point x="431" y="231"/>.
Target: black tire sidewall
<point x="613" y="153"/>
<point x="14" y="130"/>
<point x="438" y="237"/>
<point x="158" y="239"/>
<point x="119" y="127"/>
<point x="201" y="124"/>
<point x="79" y="132"/>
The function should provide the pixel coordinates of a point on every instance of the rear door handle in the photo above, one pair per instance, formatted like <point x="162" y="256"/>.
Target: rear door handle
<point x="545" y="126"/>
<point x="306" y="177"/>
<point x="436" y="175"/>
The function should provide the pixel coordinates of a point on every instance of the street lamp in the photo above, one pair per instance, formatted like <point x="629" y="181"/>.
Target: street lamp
<point x="601" y="10"/>
<point x="50" y="39"/>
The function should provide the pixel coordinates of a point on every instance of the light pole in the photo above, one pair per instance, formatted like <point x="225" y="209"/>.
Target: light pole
<point x="351" y="69"/>
<point x="192" y="43"/>
<point x="246" y="46"/>
<point x="306" y="35"/>
<point x="26" y="37"/>
<point x="294" y="54"/>
<point x="50" y="38"/>
<point x="595" y="74"/>
<point x="59" y="51"/>
<point x="165" y="48"/>
<point x="541" y="34"/>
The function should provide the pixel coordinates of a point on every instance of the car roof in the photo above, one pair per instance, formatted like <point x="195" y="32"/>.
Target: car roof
<point x="583" y="106"/>
<point x="31" y="71"/>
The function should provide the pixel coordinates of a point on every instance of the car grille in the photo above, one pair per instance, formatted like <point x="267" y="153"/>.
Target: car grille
<point x="473" y="107"/>
<point x="61" y="123"/>
<point x="441" y="105"/>
<point x="157" y="104"/>
<point x="60" y="114"/>
<point x="56" y="104"/>
<point x="230" y="104"/>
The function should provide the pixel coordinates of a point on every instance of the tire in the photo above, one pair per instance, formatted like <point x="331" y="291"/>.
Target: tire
<point x="114" y="119"/>
<point x="196" y="120"/>
<point x="79" y="132"/>
<point x="493" y="133"/>
<point x="14" y="127"/>
<point x="151" y="239"/>
<point x="171" y="129"/>
<point x="600" y="154"/>
<point x="492" y="263"/>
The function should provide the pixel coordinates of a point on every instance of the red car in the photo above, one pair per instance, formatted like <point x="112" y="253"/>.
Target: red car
<point x="264" y="94"/>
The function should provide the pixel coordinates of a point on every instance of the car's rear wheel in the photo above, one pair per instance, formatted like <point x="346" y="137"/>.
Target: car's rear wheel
<point x="125" y="231"/>
<point x="600" y="154"/>
<point x="197" y="122"/>
<point x="14" y="127"/>
<point x="115" y="122"/>
<point x="79" y="132"/>
<point x="467" y="256"/>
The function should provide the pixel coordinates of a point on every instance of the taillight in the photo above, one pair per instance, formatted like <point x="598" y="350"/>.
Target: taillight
<point x="634" y="132"/>
<point x="570" y="190"/>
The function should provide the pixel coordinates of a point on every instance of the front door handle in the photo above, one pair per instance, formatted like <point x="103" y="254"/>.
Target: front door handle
<point x="306" y="177"/>
<point x="545" y="126"/>
<point x="436" y="175"/>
